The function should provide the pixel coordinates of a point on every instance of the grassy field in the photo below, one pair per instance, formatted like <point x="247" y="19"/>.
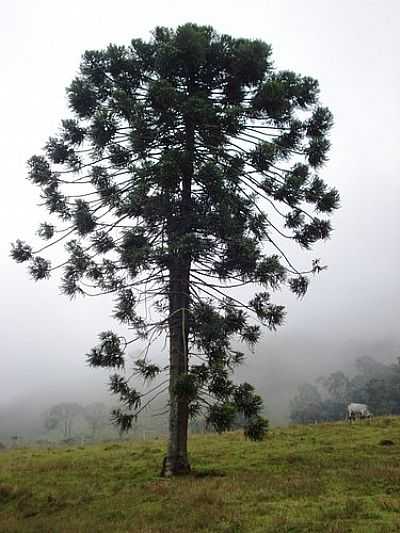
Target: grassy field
<point x="328" y="477"/>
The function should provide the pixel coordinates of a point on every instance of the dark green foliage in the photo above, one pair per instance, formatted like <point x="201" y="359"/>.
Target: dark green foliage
<point x="39" y="268"/>
<point x="83" y="218"/>
<point x="102" y="242"/>
<point x="256" y="429"/>
<point x="46" y="231"/>
<point x="221" y="416"/>
<point x="72" y="133"/>
<point x="247" y="403"/>
<point x="270" y="314"/>
<point x="109" y="353"/>
<point x="186" y="163"/>
<point x="21" y="252"/>
<point x="128" y="397"/>
<point x="39" y="170"/>
<point x="123" y="420"/>
<point x="299" y="285"/>
<point x="147" y="371"/>
<point x="187" y="388"/>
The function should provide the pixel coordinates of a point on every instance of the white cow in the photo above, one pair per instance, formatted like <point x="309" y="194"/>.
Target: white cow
<point x="358" y="410"/>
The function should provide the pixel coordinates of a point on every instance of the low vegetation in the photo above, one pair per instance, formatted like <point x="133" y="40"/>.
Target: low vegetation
<point x="327" y="477"/>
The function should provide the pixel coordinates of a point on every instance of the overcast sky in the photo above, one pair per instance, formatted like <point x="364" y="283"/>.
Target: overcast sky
<point x="350" y="46"/>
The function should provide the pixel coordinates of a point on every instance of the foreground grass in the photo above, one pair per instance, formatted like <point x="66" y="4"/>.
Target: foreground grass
<point x="328" y="477"/>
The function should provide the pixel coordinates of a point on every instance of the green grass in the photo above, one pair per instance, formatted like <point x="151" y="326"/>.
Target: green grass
<point x="328" y="477"/>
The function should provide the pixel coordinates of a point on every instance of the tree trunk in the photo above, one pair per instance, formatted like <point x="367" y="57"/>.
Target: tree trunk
<point x="176" y="461"/>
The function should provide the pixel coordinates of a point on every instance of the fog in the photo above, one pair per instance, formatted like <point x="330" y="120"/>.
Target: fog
<point x="351" y="309"/>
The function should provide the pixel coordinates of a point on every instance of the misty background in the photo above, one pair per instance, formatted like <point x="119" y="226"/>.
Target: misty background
<point x="351" y="309"/>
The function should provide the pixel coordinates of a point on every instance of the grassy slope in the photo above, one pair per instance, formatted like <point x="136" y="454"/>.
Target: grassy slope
<point x="328" y="477"/>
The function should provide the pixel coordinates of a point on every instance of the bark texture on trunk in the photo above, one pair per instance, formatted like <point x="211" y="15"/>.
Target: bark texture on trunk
<point x="179" y="226"/>
<point x="176" y="461"/>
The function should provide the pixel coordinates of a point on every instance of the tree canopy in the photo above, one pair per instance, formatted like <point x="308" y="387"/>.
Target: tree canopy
<point x="187" y="163"/>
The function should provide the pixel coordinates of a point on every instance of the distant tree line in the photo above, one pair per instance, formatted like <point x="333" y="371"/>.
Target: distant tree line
<point x="375" y="384"/>
<point x="70" y="420"/>
<point x="62" y="416"/>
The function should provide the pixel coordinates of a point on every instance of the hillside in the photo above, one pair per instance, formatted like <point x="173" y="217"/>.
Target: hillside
<point x="328" y="477"/>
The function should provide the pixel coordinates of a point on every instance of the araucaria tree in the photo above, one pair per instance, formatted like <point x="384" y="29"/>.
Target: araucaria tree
<point x="186" y="164"/>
